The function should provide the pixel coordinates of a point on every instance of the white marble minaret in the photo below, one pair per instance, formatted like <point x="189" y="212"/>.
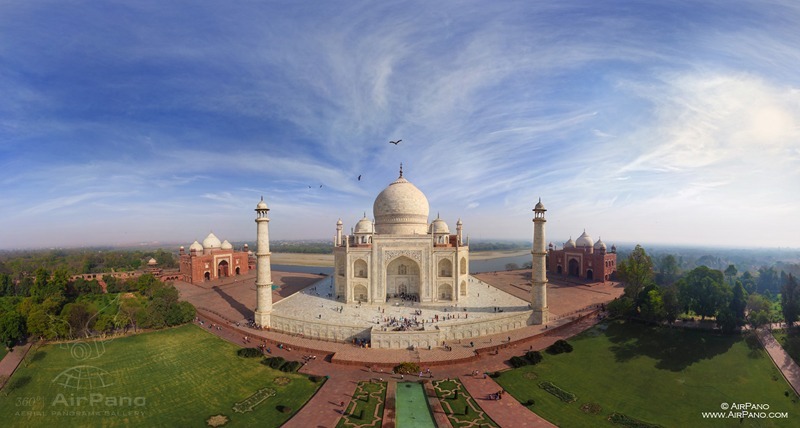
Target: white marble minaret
<point x="263" y="272"/>
<point x="539" y="268"/>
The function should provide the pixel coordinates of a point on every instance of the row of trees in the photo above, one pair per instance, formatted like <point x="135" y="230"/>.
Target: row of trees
<point x="19" y="264"/>
<point x="663" y="295"/>
<point x="55" y="308"/>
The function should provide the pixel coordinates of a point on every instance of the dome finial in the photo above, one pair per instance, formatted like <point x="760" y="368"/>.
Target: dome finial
<point x="401" y="169"/>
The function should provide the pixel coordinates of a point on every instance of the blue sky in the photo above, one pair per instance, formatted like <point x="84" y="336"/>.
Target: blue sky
<point x="653" y="121"/>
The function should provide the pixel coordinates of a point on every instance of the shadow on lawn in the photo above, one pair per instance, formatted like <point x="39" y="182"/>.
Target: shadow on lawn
<point x="674" y="348"/>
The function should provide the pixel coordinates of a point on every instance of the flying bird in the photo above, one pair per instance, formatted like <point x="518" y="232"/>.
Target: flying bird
<point x="395" y="142"/>
<point x="359" y="177"/>
<point x="320" y="186"/>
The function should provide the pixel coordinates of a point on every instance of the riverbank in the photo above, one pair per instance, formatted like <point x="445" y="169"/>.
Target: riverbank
<point x="326" y="260"/>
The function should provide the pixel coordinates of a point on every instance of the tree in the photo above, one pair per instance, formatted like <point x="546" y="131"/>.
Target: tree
<point x="749" y="282"/>
<point x="790" y="300"/>
<point x="652" y="307"/>
<point x="636" y="272"/>
<point x="703" y="291"/>
<point x="12" y="328"/>
<point x="620" y="307"/>
<point x="512" y="266"/>
<point x="79" y="318"/>
<point x="759" y="310"/>
<point x="672" y="305"/>
<point x="6" y="285"/>
<point x="767" y="280"/>
<point x="730" y="273"/>
<point x="668" y="270"/>
<point x="131" y="309"/>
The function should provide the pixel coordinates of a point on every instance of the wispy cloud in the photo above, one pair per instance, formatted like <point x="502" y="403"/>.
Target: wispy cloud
<point x="606" y="112"/>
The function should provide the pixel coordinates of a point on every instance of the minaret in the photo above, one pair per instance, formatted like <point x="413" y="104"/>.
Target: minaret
<point x="263" y="273"/>
<point x="538" y="268"/>
<point x="459" y="226"/>
<point x="338" y="241"/>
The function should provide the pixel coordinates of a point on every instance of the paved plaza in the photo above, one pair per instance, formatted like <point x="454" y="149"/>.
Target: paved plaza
<point x="308" y="296"/>
<point x="483" y="303"/>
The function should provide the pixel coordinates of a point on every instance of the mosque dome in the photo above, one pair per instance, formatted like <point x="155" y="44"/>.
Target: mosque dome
<point x="364" y="225"/>
<point x="401" y="209"/>
<point x="211" y="241"/>
<point x="439" y="226"/>
<point x="569" y="244"/>
<point x="584" y="240"/>
<point x="195" y="246"/>
<point x="600" y="245"/>
<point x="226" y="245"/>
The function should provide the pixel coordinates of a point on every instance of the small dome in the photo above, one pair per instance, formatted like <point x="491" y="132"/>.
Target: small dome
<point x="211" y="241"/>
<point x="152" y="262"/>
<point x="195" y="246"/>
<point x="551" y="245"/>
<point x="539" y="206"/>
<point x="226" y="245"/>
<point x="600" y="245"/>
<point x="262" y="205"/>
<point x="584" y="240"/>
<point x="614" y="248"/>
<point x="439" y="226"/>
<point x="364" y="225"/>
<point x="339" y="223"/>
<point x="569" y="244"/>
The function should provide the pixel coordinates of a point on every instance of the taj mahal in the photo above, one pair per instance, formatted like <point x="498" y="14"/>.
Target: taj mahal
<point x="400" y="255"/>
<point x="399" y="281"/>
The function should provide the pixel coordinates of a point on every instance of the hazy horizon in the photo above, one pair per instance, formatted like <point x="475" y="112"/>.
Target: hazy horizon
<point x="668" y="122"/>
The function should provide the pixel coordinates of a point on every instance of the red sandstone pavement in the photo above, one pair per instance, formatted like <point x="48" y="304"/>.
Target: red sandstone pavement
<point x="782" y="359"/>
<point x="11" y="361"/>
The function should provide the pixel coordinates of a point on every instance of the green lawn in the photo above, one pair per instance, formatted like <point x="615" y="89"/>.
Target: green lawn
<point x="653" y="374"/>
<point x="175" y="377"/>
<point x="3" y="351"/>
<point x="456" y="400"/>
<point x="790" y="340"/>
<point x="366" y="407"/>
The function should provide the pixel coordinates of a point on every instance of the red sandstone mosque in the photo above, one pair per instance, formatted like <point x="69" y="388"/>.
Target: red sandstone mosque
<point x="213" y="260"/>
<point x="583" y="259"/>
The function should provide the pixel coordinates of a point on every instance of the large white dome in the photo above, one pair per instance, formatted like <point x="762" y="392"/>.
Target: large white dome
<point x="584" y="240"/>
<point x="401" y="209"/>
<point x="211" y="241"/>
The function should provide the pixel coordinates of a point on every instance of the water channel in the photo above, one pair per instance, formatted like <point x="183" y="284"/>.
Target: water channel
<point x="411" y="406"/>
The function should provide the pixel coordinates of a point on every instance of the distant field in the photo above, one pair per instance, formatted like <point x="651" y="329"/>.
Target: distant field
<point x="171" y="378"/>
<point x="326" y="260"/>
<point x="657" y="375"/>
